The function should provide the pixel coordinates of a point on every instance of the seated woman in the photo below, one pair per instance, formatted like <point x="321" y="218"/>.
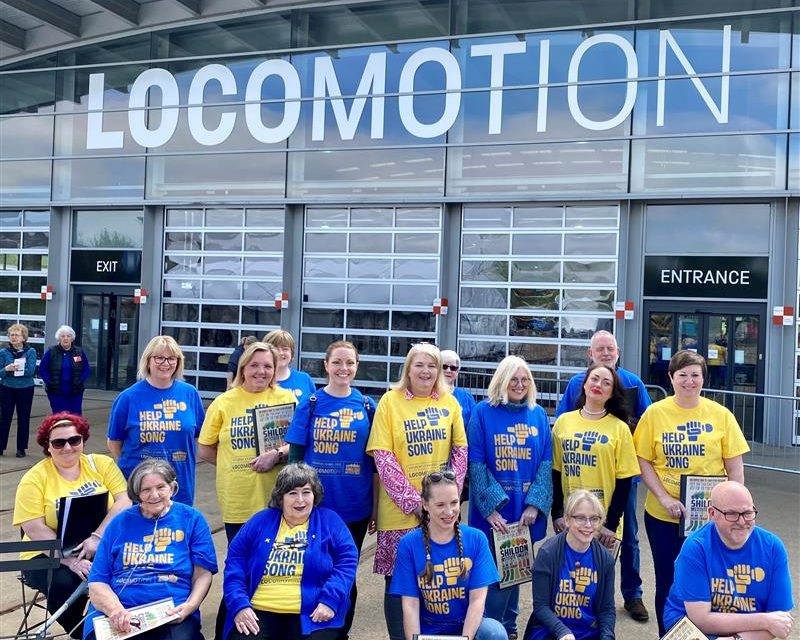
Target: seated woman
<point x="65" y="471"/>
<point x="573" y="578"/>
<point x="444" y="569"/>
<point x="157" y="549"/>
<point x="291" y="566"/>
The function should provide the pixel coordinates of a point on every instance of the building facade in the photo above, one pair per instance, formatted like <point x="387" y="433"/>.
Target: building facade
<point x="498" y="176"/>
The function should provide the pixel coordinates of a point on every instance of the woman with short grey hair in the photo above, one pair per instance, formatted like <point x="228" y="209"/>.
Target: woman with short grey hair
<point x="64" y="370"/>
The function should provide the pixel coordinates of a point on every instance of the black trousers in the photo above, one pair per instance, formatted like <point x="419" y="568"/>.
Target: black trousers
<point x="283" y="626"/>
<point x="358" y="529"/>
<point x="21" y="400"/>
<point x="63" y="584"/>
<point x="231" y="529"/>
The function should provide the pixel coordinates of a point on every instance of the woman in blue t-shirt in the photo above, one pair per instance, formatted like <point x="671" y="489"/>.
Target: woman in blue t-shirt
<point x="158" y="417"/>
<point x="443" y="569"/>
<point x="510" y="462"/>
<point x="573" y="578"/>
<point x="296" y="381"/>
<point x="329" y="431"/>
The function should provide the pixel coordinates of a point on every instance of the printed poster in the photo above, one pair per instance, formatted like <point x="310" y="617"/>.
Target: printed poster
<point x="513" y="552"/>
<point x="143" y="618"/>
<point x="271" y="425"/>
<point x="684" y="629"/>
<point x="696" y="497"/>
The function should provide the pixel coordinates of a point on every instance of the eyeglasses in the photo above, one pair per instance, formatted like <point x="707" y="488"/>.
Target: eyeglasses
<point x="72" y="441"/>
<point x="733" y="516"/>
<point x="438" y="476"/>
<point x="167" y="359"/>
<point x="593" y="520"/>
<point x="519" y="382"/>
<point x="450" y="367"/>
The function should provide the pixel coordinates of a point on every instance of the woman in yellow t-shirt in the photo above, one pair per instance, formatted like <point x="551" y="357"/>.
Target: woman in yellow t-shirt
<point x="65" y="471"/>
<point x="684" y="434"/>
<point x="418" y="428"/>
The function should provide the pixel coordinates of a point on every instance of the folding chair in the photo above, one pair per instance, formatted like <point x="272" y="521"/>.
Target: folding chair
<point x="49" y="563"/>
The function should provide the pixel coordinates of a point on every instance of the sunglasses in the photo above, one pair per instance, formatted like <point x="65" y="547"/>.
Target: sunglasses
<point x="438" y="476"/>
<point x="450" y="367"/>
<point x="60" y="443"/>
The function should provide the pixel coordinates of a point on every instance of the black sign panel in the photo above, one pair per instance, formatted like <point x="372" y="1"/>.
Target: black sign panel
<point x="706" y="277"/>
<point x="106" y="265"/>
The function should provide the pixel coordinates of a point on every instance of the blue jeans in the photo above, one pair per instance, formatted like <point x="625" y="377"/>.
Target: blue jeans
<point x="665" y="545"/>
<point x="491" y="629"/>
<point x="503" y="605"/>
<point x="630" y="581"/>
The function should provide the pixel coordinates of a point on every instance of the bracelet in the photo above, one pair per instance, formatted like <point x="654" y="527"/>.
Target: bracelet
<point x="94" y="534"/>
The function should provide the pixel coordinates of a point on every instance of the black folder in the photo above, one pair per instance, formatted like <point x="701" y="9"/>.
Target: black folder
<point x="78" y="516"/>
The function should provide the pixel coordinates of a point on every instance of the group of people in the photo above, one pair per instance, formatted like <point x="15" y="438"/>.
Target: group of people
<point x="296" y="515"/>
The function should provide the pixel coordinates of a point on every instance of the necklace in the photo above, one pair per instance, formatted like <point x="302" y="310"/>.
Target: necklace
<point x="593" y="413"/>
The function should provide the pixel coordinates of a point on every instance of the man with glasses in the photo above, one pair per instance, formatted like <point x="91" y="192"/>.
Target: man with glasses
<point x="732" y="577"/>
<point x="603" y="349"/>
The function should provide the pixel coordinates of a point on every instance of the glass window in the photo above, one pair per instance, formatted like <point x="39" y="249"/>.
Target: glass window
<point x="25" y="180"/>
<point x="107" y="229"/>
<point x="98" y="179"/>
<point x="513" y="15"/>
<point x="254" y="33"/>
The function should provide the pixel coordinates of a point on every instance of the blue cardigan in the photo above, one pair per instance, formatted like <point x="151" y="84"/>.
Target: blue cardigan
<point x="7" y="356"/>
<point x="329" y="566"/>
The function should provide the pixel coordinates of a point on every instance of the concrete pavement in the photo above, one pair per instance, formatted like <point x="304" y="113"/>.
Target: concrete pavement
<point x="777" y="496"/>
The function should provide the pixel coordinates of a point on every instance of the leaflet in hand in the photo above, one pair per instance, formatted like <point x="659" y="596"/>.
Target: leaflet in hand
<point x="19" y="367"/>
<point x="684" y="629"/>
<point x="513" y="552"/>
<point x="271" y="425"/>
<point x="696" y="496"/>
<point x="145" y="617"/>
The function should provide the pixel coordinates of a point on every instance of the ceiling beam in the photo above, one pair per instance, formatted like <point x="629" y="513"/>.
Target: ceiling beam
<point x="12" y="35"/>
<point x="49" y="13"/>
<point x="192" y="5"/>
<point x="127" y="10"/>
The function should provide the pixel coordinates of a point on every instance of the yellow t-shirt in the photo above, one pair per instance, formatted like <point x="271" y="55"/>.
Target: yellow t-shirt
<point x="593" y="454"/>
<point x="42" y="486"/>
<point x="679" y="441"/>
<point x="421" y="433"/>
<point x="241" y="492"/>
<point x="279" y="588"/>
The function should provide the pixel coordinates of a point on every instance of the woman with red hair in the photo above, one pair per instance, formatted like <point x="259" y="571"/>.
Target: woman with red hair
<point x="65" y="471"/>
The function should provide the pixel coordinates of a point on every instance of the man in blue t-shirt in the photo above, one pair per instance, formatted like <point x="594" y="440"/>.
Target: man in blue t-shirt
<point x="603" y="349"/>
<point x="731" y="577"/>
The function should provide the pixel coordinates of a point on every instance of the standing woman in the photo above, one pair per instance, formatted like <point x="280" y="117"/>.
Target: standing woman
<point x="17" y="366"/>
<point x="573" y="578"/>
<point x="296" y="381"/>
<point x="593" y="450"/>
<point x="418" y="429"/>
<point x="443" y="569"/>
<point x="509" y="469"/>
<point x="682" y="434"/>
<point x="64" y="370"/>
<point x="159" y="416"/>
<point x="329" y="432"/>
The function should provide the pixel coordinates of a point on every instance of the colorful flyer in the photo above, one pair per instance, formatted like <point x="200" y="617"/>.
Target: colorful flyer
<point x="271" y="425"/>
<point x="513" y="552"/>
<point x="143" y="618"/>
<point x="684" y="629"/>
<point x="696" y="497"/>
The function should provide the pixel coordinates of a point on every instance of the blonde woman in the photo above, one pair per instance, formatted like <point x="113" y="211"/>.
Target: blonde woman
<point x="17" y="366"/>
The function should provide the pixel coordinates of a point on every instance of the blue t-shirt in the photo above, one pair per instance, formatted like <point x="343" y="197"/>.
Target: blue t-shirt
<point x="299" y="383"/>
<point x="466" y="401"/>
<point x="752" y="579"/>
<point x="512" y="443"/>
<point x="635" y="393"/>
<point x="144" y="559"/>
<point x="444" y="602"/>
<point x="336" y="440"/>
<point x="159" y="423"/>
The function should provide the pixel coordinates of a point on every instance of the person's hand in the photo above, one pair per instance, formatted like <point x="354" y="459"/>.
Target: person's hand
<point x="10" y="367"/>
<point x="79" y="566"/>
<point x="779" y="623"/>
<point x="569" y="636"/>
<point x="246" y="622"/>
<point x="606" y="537"/>
<point x="322" y="613"/>
<point x="265" y="461"/>
<point x="673" y="507"/>
<point x="183" y="611"/>
<point x="372" y="527"/>
<point x="497" y="522"/>
<point x="529" y="516"/>
<point x="121" y="621"/>
<point x="87" y="548"/>
<point x="559" y="525"/>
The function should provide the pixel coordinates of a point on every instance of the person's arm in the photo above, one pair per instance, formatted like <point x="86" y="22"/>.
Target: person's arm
<point x="335" y="593"/>
<point x="395" y="482"/>
<point x="297" y="453"/>
<point x="89" y="546"/>
<point x="36" y="529"/>
<point x="540" y="491"/>
<point x="115" y="447"/>
<point x="372" y="527"/>
<point x="458" y="463"/>
<point x="236" y="578"/>
<point x="752" y="626"/>
<point x="228" y="380"/>
<point x="734" y="468"/>
<point x="557" y="512"/>
<point x="106" y="602"/>
<point x="485" y="491"/>
<point x="622" y="489"/>
<point x="410" y="616"/>
<point x="86" y="370"/>
<point x="653" y="482"/>
<point x="477" y="603"/>
<point x="207" y="453"/>
<point x="201" y="583"/>
<point x="30" y="362"/>
<point x="543" y="580"/>
<point x="44" y="367"/>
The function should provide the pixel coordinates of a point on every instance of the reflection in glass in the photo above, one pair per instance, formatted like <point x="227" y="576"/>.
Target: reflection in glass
<point x="264" y="317"/>
<point x="31" y="306"/>
<point x="365" y="319"/>
<point x="589" y="272"/>
<point x="583" y="327"/>
<point x="534" y="298"/>
<point x="422" y="217"/>
<point x="26" y="136"/>
<point x="323" y="318"/>
<point x="319" y="292"/>
<point x="534" y="326"/>
<point x="368" y="294"/>
<point x="27" y="180"/>
<point x="10" y="239"/>
<point x="369" y="268"/>
<point x="254" y="241"/>
<point x="184" y="336"/>
<point x="182" y="264"/>
<point x="477" y="324"/>
<point x="10" y="219"/>
<point x="222" y="265"/>
<point x="582" y="244"/>
<point x="588" y="300"/>
<point x="370" y="242"/>
<point x="475" y="244"/>
<point x="413" y="295"/>
<point x="574" y="356"/>
<point x="34" y="239"/>
<point x="416" y="269"/>
<point x="260" y="290"/>
<point x="413" y="321"/>
<point x="484" y="271"/>
<point x="9" y="284"/>
<point x="222" y="290"/>
<point x="536" y="271"/>
<point x="326" y="242"/>
<point x="486" y="217"/>
<point x="482" y="351"/>
<point x="184" y="218"/>
<point x="227" y="241"/>
<point x="180" y="288"/>
<point x="326" y="218"/>
<point x="324" y="267"/>
<point x="224" y="217"/>
<point x="538" y="217"/>
<point x="318" y="342"/>
<point x="370" y="345"/>
<point x="180" y="312"/>
<point x="371" y="218"/>
<point x="264" y="218"/>
<point x="34" y="262"/>
<point x="211" y="361"/>
<point x="545" y="244"/>
<point x="591" y="217"/>
<point x="371" y="370"/>
<point x="268" y="267"/>
<point x="183" y="241"/>
<point x="416" y="243"/>
<point x="535" y="353"/>
<point x="483" y="298"/>
<point x="118" y="229"/>
<point x="107" y="179"/>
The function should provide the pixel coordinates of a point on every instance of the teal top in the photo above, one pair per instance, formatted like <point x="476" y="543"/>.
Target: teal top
<point x="7" y="356"/>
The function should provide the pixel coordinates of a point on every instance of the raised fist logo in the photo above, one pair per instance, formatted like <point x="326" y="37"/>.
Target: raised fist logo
<point x="163" y="538"/>
<point x="452" y="569"/>
<point x="86" y="489"/>
<point x="169" y="408"/>
<point x="694" y="428"/>
<point x="583" y="577"/>
<point x="346" y="417"/>
<point x="743" y="576"/>
<point x="589" y="438"/>
<point x="432" y="415"/>
<point x="522" y="430"/>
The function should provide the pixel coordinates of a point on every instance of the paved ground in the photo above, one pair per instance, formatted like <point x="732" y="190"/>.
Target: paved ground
<point x="777" y="496"/>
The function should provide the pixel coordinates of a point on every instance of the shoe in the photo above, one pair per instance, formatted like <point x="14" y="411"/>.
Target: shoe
<point x="20" y="453"/>
<point x="513" y="636"/>
<point x="635" y="607"/>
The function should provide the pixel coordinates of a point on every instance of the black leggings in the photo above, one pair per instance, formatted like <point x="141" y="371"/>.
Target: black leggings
<point x="358" y="529"/>
<point x="63" y="584"/>
<point x="282" y="626"/>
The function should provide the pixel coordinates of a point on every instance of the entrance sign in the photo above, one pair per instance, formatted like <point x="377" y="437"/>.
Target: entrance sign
<point x="706" y="277"/>
<point x="381" y="83"/>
